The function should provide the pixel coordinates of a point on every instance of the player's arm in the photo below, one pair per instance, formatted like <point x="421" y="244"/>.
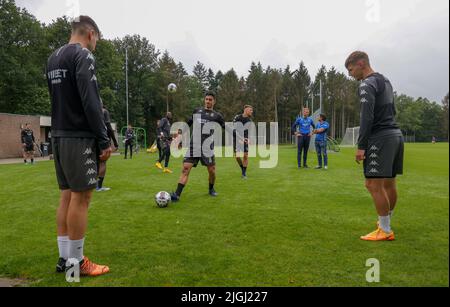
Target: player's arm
<point x="111" y="135"/>
<point x="22" y="137"/>
<point x="88" y="91"/>
<point x="190" y="121"/>
<point x="367" y="95"/>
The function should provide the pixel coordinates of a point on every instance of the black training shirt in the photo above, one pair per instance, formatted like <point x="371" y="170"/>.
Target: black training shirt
<point x="76" y="105"/>
<point x="377" y="109"/>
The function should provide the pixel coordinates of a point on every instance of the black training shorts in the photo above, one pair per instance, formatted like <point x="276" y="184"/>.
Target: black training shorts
<point x="29" y="147"/>
<point x="206" y="161"/>
<point x="76" y="163"/>
<point x="384" y="157"/>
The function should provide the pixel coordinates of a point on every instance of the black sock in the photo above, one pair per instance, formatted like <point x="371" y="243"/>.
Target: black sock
<point x="100" y="182"/>
<point x="211" y="186"/>
<point x="244" y="171"/>
<point x="25" y="161"/>
<point x="32" y="160"/>
<point x="180" y="189"/>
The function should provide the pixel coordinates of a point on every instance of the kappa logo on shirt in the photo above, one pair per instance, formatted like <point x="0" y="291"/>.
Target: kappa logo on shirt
<point x="88" y="151"/>
<point x="94" y="78"/>
<point x="363" y="92"/>
<point x="91" y="171"/>
<point x="364" y="100"/>
<point x="363" y="85"/>
<point x="89" y="162"/>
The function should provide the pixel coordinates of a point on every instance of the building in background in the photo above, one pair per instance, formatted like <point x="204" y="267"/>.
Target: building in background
<point x="10" y="132"/>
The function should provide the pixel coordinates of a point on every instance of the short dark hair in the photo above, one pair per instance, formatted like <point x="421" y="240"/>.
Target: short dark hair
<point x="210" y="93"/>
<point x="79" y="24"/>
<point x="355" y="57"/>
<point x="323" y="117"/>
<point x="247" y="106"/>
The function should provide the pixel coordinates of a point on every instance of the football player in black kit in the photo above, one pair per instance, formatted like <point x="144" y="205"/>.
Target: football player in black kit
<point x="196" y="152"/>
<point x="27" y="139"/>
<point x="80" y="140"/>
<point x="241" y="147"/>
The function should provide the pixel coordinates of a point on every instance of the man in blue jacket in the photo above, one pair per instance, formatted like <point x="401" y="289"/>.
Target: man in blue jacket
<point x="302" y="130"/>
<point x="321" y="141"/>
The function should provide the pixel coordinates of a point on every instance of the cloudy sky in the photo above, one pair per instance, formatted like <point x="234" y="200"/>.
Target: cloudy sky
<point x="408" y="40"/>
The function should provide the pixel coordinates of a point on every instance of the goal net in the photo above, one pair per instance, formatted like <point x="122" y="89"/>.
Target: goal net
<point x="351" y="137"/>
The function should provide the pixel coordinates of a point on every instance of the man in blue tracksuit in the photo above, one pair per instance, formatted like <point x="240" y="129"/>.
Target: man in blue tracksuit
<point x="302" y="129"/>
<point x="321" y="141"/>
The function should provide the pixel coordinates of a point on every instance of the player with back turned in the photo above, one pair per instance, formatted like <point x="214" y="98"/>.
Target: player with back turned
<point x="380" y="142"/>
<point x="80" y="140"/>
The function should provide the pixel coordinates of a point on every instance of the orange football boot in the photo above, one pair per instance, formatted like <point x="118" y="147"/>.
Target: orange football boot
<point x="379" y="235"/>
<point x="88" y="268"/>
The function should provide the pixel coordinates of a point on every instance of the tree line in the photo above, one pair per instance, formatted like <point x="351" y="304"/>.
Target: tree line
<point x="276" y="94"/>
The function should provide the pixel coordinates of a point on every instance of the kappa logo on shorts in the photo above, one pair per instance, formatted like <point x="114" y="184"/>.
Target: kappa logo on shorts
<point x="88" y="151"/>
<point x="92" y="181"/>
<point x="374" y="148"/>
<point x="94" y="78"/>
<point x="363" y="92"/>
<point x="89" y="162"/>
<point x="91" y="171"/>
<point x="373" y="171"/>
<point x="373" y="156"/>
<point x="364" y="100"/>
<point x="374" y="163"/>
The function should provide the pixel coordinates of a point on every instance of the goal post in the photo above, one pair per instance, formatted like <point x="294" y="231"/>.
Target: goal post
<point x="351" y="137"/>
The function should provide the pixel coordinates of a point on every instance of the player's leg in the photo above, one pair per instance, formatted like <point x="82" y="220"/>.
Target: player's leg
<point x="319" y="155"/>
<point x="390" y="187"/>
<point x="31" y="153"/>
<point x="77" y="218"/>
<point x="245" y="163"/>
<point x="375" y="186"/>
<point x="62" y="231"/>
<point x="126" y="149"/>
<point x="306" y="141"/>
<point x="24" y="154"/>
<point x="299" y="151"/>
<point x="101" y="176"/>
<point x="167" y="159"/>
<point x="212" y="179"/>
<point x="325" y="154"/>
<point x="161" y="156"/>
<point x="182" y="182"/>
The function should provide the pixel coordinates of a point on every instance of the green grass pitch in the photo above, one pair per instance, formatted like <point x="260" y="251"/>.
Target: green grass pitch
<point x="282" y="227"/>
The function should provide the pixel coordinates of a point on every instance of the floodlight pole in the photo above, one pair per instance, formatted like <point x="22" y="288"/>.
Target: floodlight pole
<point x="126" y="83"/>
<point x="321" y="96"/>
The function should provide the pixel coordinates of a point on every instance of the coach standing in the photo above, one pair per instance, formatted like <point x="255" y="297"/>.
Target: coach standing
<point x="302" y="130"/>
<point x="380" y="143"/>
<point x="80" y="139"/>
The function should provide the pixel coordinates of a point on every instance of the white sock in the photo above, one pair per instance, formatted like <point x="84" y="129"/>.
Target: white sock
<point x="391" y="213"/>
<point x="76" y="249"/>
<point x="385" y="223"/>
<point x="63" y="246"/>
